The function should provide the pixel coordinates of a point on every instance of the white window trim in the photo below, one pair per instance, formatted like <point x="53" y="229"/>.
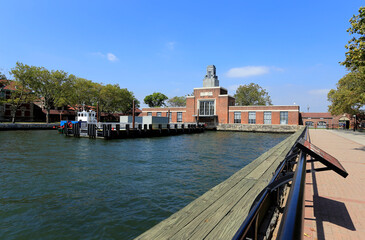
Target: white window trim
<point x="207" y="99"/>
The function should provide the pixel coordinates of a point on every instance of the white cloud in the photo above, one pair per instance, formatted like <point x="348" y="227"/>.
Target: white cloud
<point x="247" y="71"/>
<point x="111" y="57"/>
<point x="171" y="45"/>
<point x="318" y="91"/>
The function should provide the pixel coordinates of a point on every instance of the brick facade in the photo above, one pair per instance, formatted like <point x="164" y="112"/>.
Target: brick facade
<point x="224" y="107"/>
<point x="327" y="120"/>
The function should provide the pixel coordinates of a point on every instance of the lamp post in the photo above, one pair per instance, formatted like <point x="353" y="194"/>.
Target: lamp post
<point x="354" y="122"/>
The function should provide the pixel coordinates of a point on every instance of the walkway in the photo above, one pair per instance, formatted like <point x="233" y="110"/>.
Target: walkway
<point x="335" y="206"/>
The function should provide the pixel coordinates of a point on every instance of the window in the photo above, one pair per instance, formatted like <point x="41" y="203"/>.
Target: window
<point x="149" y="114"/>
<point x="170" y="117"/>
<point x="237" y="117"/>
<point x="321" y="124"/>
<point x="267" y="117"/>
<point x="159" y="114"/>
<point x="252" y="117"/>
<point x="283" y="117"/>
<point x="179" y="117"/>
<point x="309" y="123"/>
<point x="206" y="108"/>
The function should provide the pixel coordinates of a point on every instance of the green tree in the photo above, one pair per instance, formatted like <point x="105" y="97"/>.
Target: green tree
<point x="19" y="89"/>
<point x="115" y="99"/>
<point x="2" y="76"/>
<point x="83" y="91"/>
<point x="49" y="87"/>
<point x="155" y="100"/>
<point x="251" y="94"/>
<point x="349" y="97"/>
<point x="177" y="101"/>
<point x="355" y="56"/>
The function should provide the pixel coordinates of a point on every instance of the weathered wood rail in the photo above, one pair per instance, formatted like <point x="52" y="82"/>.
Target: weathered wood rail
<point x="219" y="213"/>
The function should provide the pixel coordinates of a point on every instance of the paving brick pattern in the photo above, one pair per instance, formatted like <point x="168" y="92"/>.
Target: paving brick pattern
<point x="335" y="206"/>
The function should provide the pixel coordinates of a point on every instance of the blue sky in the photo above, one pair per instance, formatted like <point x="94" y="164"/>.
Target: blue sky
<point x="290" y="48"/>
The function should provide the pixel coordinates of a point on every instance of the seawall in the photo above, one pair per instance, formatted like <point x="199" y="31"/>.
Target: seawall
<point x="258" y="128"/>
<point x="27" y="126"/>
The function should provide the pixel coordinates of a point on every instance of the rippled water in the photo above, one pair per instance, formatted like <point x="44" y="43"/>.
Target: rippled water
<point x="55" y="187"/>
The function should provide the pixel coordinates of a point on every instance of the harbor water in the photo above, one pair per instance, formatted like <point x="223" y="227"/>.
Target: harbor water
<point x="56" y="187"/>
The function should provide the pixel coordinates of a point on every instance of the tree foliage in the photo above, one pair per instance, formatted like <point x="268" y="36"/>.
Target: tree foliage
<point x="116" y="99"/>
<point x="349" y="97"/>
<point x="48" y="86"/>
<point x="57" y="88"/>
<point x="355" y="56"/>
<point x="177" y="101"/>
<point x="83" y="91"/>
<point x="2" y="76"/>
<point x="20" y="89"/>
<point x="251" y="94"/>
<point x="155" y="100"/>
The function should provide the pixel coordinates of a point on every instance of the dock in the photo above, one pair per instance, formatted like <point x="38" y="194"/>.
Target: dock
<point x="219" y="213"/>
<point x="122" y="131"/>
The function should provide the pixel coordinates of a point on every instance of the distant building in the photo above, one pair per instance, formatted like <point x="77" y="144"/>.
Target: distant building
<point x="327" y="120"/>
<point x="211" y="104"/>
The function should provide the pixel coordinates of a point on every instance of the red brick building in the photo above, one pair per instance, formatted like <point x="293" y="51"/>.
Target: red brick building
<point x="211" y="104"/>
<point x="327" y="120"/>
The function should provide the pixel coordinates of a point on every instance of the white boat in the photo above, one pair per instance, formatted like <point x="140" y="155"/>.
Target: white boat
<point x="87" y="116"/>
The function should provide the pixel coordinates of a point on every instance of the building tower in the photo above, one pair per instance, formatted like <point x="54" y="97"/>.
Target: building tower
<point x="211" y="79"/>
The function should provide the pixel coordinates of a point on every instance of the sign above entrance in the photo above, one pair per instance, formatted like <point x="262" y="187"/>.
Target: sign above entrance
<point x="203" y="94"/>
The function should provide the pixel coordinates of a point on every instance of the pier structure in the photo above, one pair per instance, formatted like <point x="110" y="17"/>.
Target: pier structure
<point x="121" y="131"/>
<point x="219" y="213"/>
<point x="267" y="199"/>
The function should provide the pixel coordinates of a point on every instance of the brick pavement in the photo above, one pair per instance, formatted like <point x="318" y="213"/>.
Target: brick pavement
<point x="335" y="206"/>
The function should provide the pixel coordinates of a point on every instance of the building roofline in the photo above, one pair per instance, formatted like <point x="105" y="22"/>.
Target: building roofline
<point x="266" y="106"/>
<point x="225" y="95"/>
<point x="210" y="88"/>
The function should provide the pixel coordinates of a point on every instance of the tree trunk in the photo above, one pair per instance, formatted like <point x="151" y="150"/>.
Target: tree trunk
<point x="13" y="114"/>
<point x="47" y="115"/>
